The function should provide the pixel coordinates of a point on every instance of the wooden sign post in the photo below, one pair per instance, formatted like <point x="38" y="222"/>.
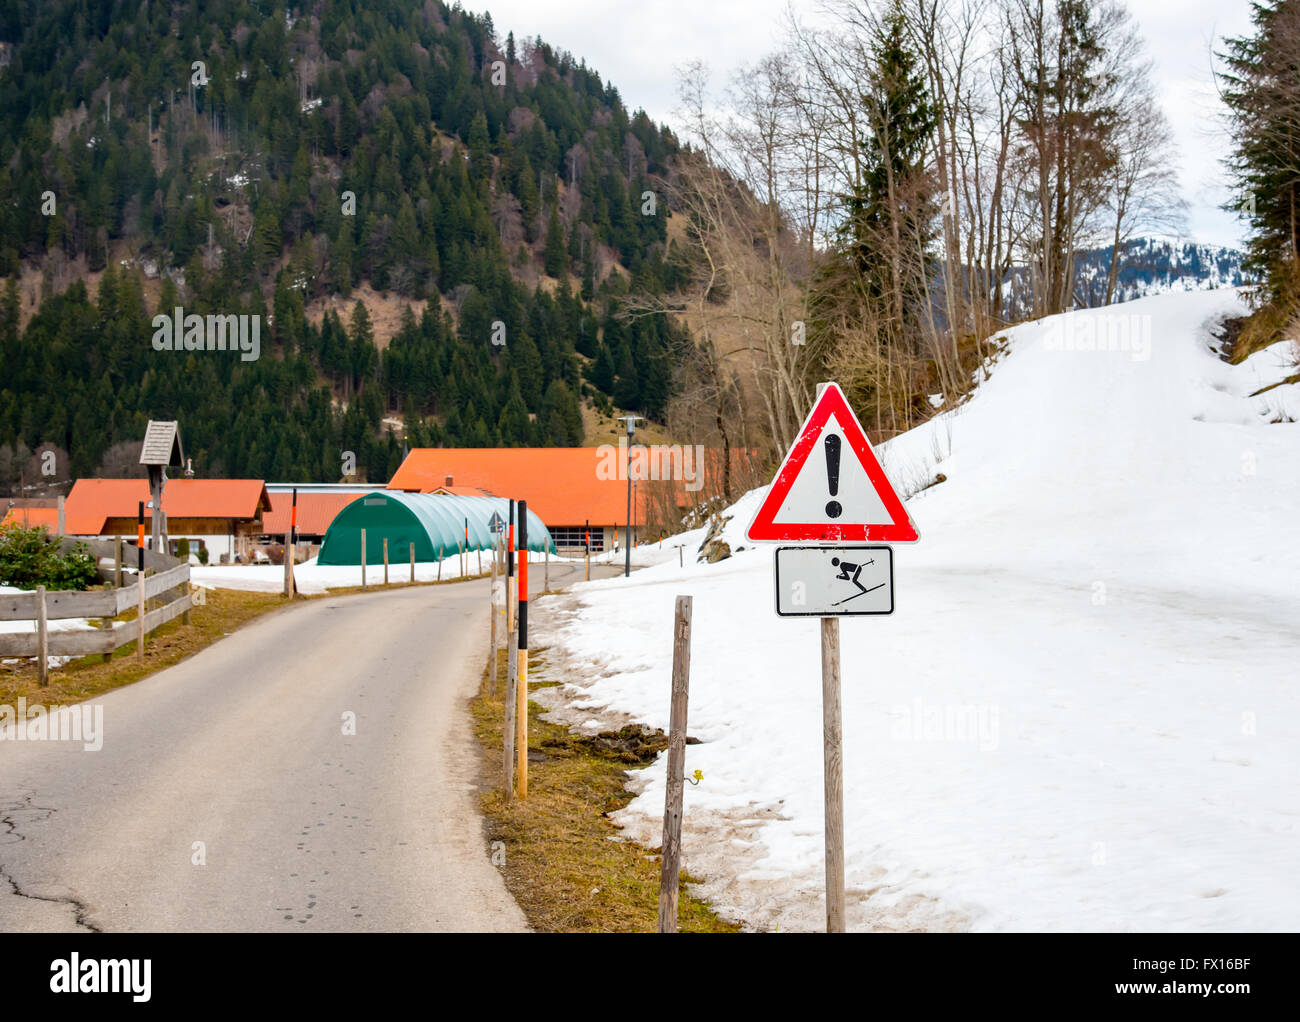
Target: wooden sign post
<point x="833" y="765"/>
<point x="829" y="493"/>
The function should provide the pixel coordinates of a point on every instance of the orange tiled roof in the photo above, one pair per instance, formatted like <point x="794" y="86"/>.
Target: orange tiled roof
<point x="560" y="484"/>
<point x="34" y="516"/>
<point x="92" y="501"/>
<point x="315" y="511"/>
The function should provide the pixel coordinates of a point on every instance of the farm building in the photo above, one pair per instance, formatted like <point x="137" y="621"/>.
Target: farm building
<point x="224" y="516"/>
<point x="435" y="523"/>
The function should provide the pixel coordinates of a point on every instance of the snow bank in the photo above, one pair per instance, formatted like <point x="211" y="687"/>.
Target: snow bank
<point x="1083" y="714"/>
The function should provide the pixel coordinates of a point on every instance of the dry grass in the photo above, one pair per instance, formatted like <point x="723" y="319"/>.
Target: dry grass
<point x="566" y="863"/>
<point x="225" y="610"/>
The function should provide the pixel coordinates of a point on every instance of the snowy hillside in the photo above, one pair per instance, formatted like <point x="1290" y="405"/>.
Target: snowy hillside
<point x="1084" y="713"/>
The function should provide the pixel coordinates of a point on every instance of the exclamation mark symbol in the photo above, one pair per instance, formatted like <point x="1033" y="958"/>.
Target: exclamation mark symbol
<point x="832" y="445"/>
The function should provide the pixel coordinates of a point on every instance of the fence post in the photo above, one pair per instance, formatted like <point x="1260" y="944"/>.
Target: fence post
<point x="546" y="571"/>
<point x="185" y="595"/>
<point x="412" y="545"/>
<point x="363" y="558"/>
<point x="117" y="562"/>
<point x="672" y="846"/>
<point x="385" y="560"/>
<point x="106" y="623"/>
<point x="42" y="638"/>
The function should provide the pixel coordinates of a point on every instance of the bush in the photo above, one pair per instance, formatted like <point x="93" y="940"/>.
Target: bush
<point x="31" y="558"/>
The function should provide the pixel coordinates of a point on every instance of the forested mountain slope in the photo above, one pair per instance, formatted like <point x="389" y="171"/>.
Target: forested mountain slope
<point x="234" y="157"/>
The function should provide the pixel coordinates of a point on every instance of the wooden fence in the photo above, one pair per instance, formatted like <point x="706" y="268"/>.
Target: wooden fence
<point x="169" y="587"/>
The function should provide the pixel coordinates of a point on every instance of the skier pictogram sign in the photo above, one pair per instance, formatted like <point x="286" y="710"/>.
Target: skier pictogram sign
<point x="830" y="487"/>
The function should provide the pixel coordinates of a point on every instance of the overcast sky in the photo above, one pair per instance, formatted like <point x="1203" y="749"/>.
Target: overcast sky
<point x="635" y="44"/>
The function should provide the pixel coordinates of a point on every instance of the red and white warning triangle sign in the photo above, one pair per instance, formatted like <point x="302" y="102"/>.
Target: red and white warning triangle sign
<point x="831" y="487"/>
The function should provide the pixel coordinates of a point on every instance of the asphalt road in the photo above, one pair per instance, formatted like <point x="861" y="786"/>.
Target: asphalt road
<point x="243" y="748"/>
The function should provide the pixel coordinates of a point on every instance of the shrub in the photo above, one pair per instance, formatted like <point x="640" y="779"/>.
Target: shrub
<point x="31" y="558"/>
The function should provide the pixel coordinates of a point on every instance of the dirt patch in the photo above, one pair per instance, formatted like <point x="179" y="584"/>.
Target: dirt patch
<point x="570" y="868"/>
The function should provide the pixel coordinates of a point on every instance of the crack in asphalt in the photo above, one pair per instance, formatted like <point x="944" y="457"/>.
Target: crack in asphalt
<point x="81" y="913"/>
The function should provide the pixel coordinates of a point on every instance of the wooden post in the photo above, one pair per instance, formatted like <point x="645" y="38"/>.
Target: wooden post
<point x="833" y="763"/>
<point x="42" y="639"/>
<point x="512" y="683"/>
<point x="412" y="562"/>
<point x="672" y="846"/>
<point x="385" y="560"/>
<point x="479" y="551"/>
<point x="521" y="691"/>
<point x="363" y="558"/>
<point x="107" y="622"/>
<point x="117" y="562"/>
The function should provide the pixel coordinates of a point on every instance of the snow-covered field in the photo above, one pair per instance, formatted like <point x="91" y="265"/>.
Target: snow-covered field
<point x="1085" y="712"/>
<point x="312" y="578"/>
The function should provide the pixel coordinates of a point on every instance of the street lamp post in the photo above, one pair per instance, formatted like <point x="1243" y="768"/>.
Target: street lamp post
<point x="630" y="422"/>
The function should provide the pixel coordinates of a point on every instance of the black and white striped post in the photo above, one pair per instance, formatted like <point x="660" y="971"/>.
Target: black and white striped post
<point x="521" y="687"/>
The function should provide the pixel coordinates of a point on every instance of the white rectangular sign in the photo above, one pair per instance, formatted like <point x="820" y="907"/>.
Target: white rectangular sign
<point x="830" y="581"/>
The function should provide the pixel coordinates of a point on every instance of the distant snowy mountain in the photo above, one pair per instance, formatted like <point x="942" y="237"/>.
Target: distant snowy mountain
<point x="1151" y="266"/>
<point x="1148" y="266"/>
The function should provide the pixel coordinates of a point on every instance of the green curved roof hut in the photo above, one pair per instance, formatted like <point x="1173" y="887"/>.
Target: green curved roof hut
<point x="434" y="522"/>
